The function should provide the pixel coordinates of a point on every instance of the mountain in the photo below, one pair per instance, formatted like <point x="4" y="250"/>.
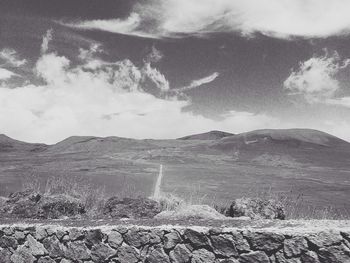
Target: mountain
<point x="212" y="135"/>
<point x="8" y="144"/>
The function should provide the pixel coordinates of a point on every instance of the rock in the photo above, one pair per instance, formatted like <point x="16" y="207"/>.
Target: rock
<point x="136" y="238"/>
<point x="60" y="206"/>
<point x="29" y="204"/>
<point x="228" y="260"/>
<point x="346" y="235"/>
<point x="22" y="255"/>
<point x="19" y="235"/>
<point x="256" y="208"/>
<point x="77" y="250"/>
<point x="241" y="244"/>
<point x="133" y="208"/>
<point x="325" y="239"/>
<point x="36" y="248"/>
<point x="5" y="255"/>
<point x="75" y="234"/>
<point x="280" y="258"/>
<point x="223" y="245"/>
<point x="334" y="254"/>
<point x="196" y="239"/>
<point x="191" y="212"/>
<point x="127" y="254"/>
<point x="40" y="233"/>
<point x="294" y="247"/>
<point x="171" y="240"/>
<point x="180" y="254"/>
<point x="66" y="261"/>
<point x="309" y="257"/>
<point x="93" y="237"/>
<point x="202" y="256"/>
<point x="115" y="239"/>
<point x="255" y="256"/>
<point x="101" y="252"/>
<point x="7" y="242"/>
<point x="54" y="247"/>
<point x="157" y="255"/>
<point x="155" y="236"/>
<point x="46" y="260"/>
<point x="264" y="241"/>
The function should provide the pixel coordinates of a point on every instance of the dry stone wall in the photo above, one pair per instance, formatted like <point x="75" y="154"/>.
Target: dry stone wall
<point x="133" y="244"/>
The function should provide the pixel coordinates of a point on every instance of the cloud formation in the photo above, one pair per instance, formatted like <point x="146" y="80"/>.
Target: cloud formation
<point x="9" y="57"/>
<point x="5" y="74"/>
<point x="103" y="98"/>
<point x="315" y="79"/>
<point x="199" y="82"/>
<point x="276" y="18"/>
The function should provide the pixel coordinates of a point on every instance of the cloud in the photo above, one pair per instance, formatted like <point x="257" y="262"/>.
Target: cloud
<point x="6" y="74"/>
<point x="46" y="40"/>
<point x="199" y="82"/>
<point x="103" y="98"/>
<point x="9" y="57"/>
<point x="315" y="79"/>
<point x="178" y="18"/>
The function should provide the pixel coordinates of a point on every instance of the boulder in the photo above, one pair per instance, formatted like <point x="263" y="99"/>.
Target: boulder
<point x="256" y="208"/>
<point x="334" y="254"/>
<point x="295" y="246"/>
<point x="157" y="255"/>
<point x="33" y="205"/>
<point x="196" y="239"/>
<point x="132" y="208"/>
<point x="127" y="254"/>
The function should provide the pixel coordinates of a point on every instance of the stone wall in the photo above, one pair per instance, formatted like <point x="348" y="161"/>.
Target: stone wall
<point x="161" y="244"/>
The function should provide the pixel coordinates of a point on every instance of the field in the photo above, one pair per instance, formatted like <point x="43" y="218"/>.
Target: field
<point x="311" y="180"/>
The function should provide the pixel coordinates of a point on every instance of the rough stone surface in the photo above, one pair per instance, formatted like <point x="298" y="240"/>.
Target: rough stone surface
<point x="169" y="244"/>
<point x="180" y="254"/>
<point x="127" y="254"/>
<point x="294" y="247"/>
<point x="157" y="255"/>
<point x="334" y="254"/>
<point x="197" y="239"/>
<point x="223" y="245"/>
<point x="134" y="208"/>
<point x="256" y="256"/>
<point x="265" y="241"/>
<point x="256" y="208"/>
<point x="171" y="240"/>
<point x="325" y="239"/>
<point x="115" y="239"/>
<point x="309" y="257"/>
<point x="202" y="256"/>
<point x="30" y="204"/>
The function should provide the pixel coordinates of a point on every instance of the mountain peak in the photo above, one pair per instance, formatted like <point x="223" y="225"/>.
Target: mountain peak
<point x="211" y="135"/>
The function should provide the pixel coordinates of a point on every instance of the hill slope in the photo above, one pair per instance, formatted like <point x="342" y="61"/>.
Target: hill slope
<point x="212" y="135"/>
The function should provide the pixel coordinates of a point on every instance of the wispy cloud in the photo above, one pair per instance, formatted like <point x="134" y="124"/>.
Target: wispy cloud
<point x="199" y="82"/>
<point x="178" y="18"/>
<point x="46" y="40"/>
<point x="315" y="79"/>
<point x="9" y="57"/>
<point x="6" y="74"/>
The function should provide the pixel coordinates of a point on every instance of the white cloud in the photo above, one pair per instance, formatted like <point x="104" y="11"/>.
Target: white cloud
<point x="199" y="82"/>
<point x="46" y="40"/>
<point x="102" y="99"/>
<point x="345" y="102"/>
<point x="9" y="57"/>
<point x="278" y="18"/>
<point x="6" y="74"/>
<point x="316" y="78"/>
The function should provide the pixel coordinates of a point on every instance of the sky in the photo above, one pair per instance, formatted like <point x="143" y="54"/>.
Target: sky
<point x="169" y="68"/>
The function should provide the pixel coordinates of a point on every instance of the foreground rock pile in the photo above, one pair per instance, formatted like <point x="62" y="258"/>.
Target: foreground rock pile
<point x="40" y="244"/>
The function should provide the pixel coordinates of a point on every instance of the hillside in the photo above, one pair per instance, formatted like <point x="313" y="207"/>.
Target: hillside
<point x="309" y="163"/>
